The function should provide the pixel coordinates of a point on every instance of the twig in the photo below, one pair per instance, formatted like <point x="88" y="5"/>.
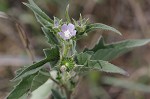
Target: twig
<point x="25" y="41"/>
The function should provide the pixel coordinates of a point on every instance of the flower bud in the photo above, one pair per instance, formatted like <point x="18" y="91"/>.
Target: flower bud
<point x="63" y="68"/>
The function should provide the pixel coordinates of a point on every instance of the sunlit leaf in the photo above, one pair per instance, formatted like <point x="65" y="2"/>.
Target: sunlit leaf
<point x="92" y="27"/>
<point x="111" y="51"/>
<point x="100" y="65"/>
<point x="39" y="80"/>
<point x="31" y="69"/>
<point x="22" y="88"/>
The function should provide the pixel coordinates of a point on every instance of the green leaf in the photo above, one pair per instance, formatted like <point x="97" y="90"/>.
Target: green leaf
<point x="57" y="95"/>
<point x="22" y="88"/>
<point x="38" y="12"/>
<point x="29" y="84"/>
<point x="20" y="70"/>
<point x="45" y="90"/>
<point x="100" y="65"/>
<point x="42" y="21"/>
<point x="82" y="58"/>
<point x="31" y="69"/>
<point x="123" y="83"/>
<point x="39" y="80"/>
<point x="52" y="40"/>
<point x="67" y="14"/>
<point x="92" y="27"/>
<point x="52" y="55"/>
<point x="109" y="52"/>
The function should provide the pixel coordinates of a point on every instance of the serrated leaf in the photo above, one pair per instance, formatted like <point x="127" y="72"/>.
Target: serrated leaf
<point x="39" y="80"/>
<point x="67" y="14"/>
<point x="109" y="52"/>
<point x="20" y="70"/>
<point x="31" y="69"/>
<point x="52" y="55"/>
<point x="57" y="95"/>
<point x="82" y="58"/>
<point x="100" y="65"/>
<point x="42" y="21"/>
<point x="22" y="88"/>
<point x="92" y="27"/>
<point x="52" y="40"/>
<point x="38" y="12"/>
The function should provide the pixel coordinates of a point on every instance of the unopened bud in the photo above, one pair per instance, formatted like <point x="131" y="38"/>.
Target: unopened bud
<point x="63" y="68"/>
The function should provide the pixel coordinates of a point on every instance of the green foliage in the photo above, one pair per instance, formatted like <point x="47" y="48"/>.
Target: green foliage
<point x="52" y="40"/>
<point x="111" y="51"/>
<point x="40" y="15"/>
<point x="52" y="55"/>
<point x="22" y="88"/>
<point x="92" y="27"/>
<point x="57" y="95"/>
<point x="67" y="14"/>
<point x="39" y="80"/>
<point x="28" y="84"/>
<point x="69" y="63"/>
<point x="86" y="65"/>
<point x="82" y="58"/>
<point x="45" y="21"/>
<point x="31" y="69"/>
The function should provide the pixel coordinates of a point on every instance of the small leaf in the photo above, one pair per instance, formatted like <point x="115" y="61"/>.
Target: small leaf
<point x="22" y="88"/>
<point x="82" y="58"/>
<point x="99" y="45"/>
<point x="109" y="52"/>
<point x="92" y="27"/>
<point x="100" y="65"/>
<point x="52" y="40"/>
<point x="31" y="69"/>
<point x="67" y="14"/>
<point x="57" y="95"/>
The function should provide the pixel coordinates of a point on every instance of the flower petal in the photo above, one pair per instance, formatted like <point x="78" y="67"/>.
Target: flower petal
<point x="71" y="27"/>
<point x="64" y="28"/>
<point x="73" y="33"/>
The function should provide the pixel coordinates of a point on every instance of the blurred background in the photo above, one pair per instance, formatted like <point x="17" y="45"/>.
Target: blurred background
<point x="130" y="17"/>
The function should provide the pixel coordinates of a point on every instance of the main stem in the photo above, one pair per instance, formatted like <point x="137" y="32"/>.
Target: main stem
<point x="68" y="49"/>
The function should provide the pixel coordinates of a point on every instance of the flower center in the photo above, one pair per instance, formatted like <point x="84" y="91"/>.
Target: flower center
<point x="67" y="33"/>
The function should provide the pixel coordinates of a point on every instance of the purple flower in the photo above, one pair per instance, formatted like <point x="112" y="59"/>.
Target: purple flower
<point x="67" y="31"/>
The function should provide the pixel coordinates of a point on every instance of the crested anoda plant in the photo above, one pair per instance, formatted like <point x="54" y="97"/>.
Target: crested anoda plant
<point x="65" y="59"/>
